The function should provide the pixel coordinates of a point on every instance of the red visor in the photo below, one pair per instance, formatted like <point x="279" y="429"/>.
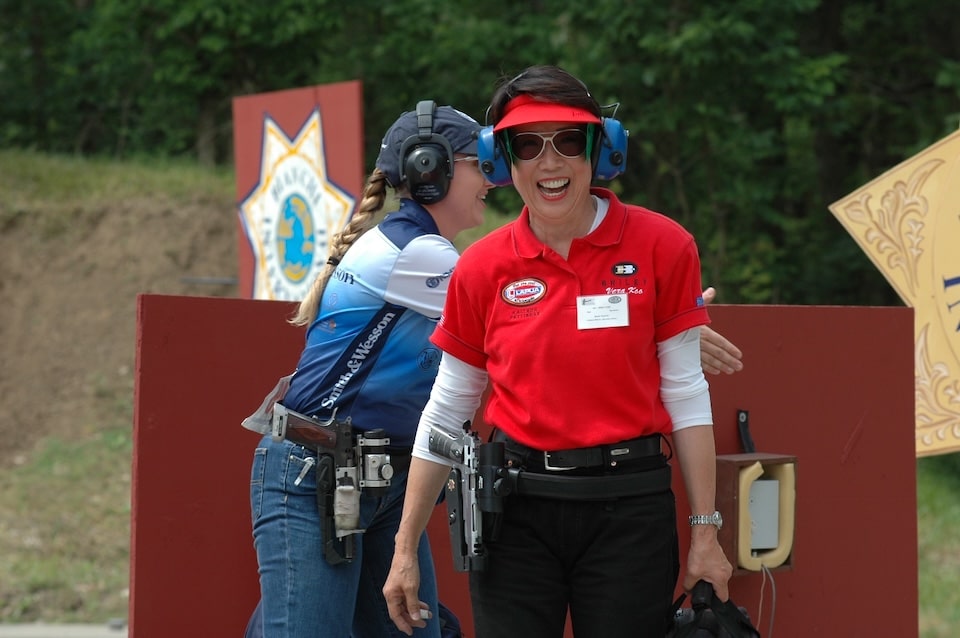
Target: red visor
<point x="524" y="109"/>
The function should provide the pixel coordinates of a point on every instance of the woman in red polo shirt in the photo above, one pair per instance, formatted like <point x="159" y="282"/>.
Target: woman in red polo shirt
<point x="584" y="317"/>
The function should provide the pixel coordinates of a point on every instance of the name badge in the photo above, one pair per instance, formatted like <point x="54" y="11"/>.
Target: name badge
<point x="602" y="311"/>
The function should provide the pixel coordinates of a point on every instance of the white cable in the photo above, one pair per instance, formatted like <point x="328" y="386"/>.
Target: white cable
<point x="773" y="601"/>
<point x="763" y="584"/>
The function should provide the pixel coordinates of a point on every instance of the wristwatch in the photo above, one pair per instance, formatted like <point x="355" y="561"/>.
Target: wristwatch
<point x="705" y="519"/>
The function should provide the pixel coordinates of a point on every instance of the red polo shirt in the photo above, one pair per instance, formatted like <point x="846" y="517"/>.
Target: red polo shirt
<point x="512" y="309"/>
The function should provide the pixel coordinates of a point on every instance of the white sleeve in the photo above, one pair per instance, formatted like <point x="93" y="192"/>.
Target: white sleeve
<point x="683" y="387"/>
<point x="421" y="274"/>
<point x="454" y="399"/>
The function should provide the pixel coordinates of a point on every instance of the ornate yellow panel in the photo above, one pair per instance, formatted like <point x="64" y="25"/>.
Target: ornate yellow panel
<point x="908" y="222"/>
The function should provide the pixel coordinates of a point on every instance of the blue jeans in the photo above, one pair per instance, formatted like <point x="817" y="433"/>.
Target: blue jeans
<point x="303" y="595"/>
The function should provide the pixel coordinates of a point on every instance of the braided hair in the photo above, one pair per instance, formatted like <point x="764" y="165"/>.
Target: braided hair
<point x="372" y="202"/>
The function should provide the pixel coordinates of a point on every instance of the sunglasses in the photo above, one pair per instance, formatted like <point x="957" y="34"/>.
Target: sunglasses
<point x="569" y="143"/>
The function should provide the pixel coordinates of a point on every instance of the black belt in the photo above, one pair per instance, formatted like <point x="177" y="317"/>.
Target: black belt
<point x="586" y="488"/>
<point x="399" y="457"/>
<point x="310" y="434"/>
<point x="609" y="455"/>
<point x="399" y="460"/>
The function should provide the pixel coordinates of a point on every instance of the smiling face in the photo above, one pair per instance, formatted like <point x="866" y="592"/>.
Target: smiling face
<point x="555" y="188"/>
<point x="464" y="205"/>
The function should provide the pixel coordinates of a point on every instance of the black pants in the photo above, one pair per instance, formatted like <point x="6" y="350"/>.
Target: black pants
<point x="612" y="564"/>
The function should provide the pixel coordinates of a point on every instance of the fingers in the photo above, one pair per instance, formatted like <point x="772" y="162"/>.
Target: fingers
<point x="717" y="354"/>
<point x="406" y="617"/>
<point x="404" y="608"/>
<point x="416" y="613"/>
<point x="402" y="625"/>
<point x="723" y="592"/>
<point x="706" y="561"/>
<point x="722" y="589"/>
<point x="710" y="364"/>
<point x="398" y="614"/>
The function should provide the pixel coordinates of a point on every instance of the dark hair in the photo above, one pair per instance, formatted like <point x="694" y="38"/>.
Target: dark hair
<point x="546" y="83"/>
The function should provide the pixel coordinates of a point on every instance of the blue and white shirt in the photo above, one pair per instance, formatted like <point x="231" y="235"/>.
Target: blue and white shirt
<point x="368" y="352"/>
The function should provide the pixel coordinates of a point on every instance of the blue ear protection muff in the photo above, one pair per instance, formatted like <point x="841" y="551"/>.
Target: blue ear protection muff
<point x="610" y="154"/>
<point x="492" y="158"/>
<point x="426" y="159"/>
<point x="612" y="158"/>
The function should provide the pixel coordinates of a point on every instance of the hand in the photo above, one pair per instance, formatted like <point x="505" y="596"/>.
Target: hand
<point x="717" y="354"/>
<point x="706" y="561"/>
<point x="400" y="591"/>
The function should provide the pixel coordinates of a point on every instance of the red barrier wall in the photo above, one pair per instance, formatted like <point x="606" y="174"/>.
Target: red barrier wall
<point x="832" y="386"/>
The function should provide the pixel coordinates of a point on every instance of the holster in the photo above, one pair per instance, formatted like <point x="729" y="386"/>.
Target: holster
<point x="335" y="550"/>
<point x="474" y="507"/>
<point x="347" y="462"/>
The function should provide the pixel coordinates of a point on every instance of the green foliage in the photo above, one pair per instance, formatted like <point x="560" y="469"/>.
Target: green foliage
<point x="938" y="515"/>
<point x="63" y="181"/>
<point x="747" y="118"/>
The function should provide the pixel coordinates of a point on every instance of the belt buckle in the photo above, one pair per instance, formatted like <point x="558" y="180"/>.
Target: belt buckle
<point x="553" y="468"/>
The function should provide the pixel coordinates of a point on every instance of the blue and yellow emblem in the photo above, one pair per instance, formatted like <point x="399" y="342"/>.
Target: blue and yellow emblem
<point x="292" y="212"/>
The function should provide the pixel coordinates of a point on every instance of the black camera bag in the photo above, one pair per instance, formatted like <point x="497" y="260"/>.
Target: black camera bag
<point x="708" y="617"/>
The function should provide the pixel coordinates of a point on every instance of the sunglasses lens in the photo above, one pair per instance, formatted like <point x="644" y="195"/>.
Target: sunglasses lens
<point x="527" y="146"/>
<point x="568" y="143"/>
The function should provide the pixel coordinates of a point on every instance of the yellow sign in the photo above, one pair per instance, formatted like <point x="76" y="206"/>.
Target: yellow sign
<point x="908" y="222"/>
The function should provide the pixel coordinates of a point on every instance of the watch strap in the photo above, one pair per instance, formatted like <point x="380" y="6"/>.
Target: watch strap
<point x="707" y="519"/>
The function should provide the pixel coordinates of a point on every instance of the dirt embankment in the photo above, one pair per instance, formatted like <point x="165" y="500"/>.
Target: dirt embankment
<point x="69" y="281"/>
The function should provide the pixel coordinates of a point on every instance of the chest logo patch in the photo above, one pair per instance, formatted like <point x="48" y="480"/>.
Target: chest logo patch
<point x="524" y="292"/>
<point x="624" y="269"/>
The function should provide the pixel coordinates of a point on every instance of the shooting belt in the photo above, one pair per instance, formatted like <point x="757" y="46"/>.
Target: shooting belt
<point x="313" y="435"/>
<point x="588" y="488"/>
<point x="629" y="468"/>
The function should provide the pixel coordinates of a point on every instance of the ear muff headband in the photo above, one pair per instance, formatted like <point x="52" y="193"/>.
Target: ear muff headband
<point x="426" y="159"/>
<point x="494" y="156"/>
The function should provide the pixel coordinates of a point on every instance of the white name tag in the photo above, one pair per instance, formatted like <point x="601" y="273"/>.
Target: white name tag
<point x="602" y="311"/>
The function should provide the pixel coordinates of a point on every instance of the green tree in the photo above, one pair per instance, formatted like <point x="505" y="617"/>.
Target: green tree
<point x="747" y="118"/>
